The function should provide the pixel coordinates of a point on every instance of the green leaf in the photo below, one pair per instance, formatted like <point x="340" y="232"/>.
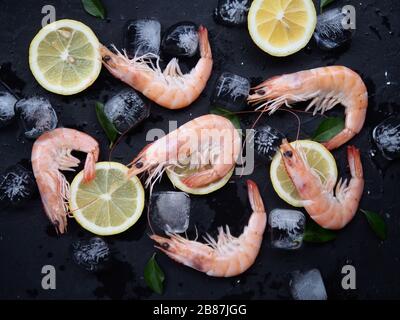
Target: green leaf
<point x="153" y="275"/>
<point x="376" y="223"/>
<point x="227" y="114"/>
<point x="106" y="124"/>
<point x="95" y="8"/>
<point x="324" y="3"/>
<point x="316" y="234"/>
<point x="328" y="128"/>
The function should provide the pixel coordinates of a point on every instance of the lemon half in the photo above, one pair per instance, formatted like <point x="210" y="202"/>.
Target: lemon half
<point x="281" y="27"/>
<point x="318" y="158"/>
<point x="110" y="203"/>
<point x="64" y="57"/>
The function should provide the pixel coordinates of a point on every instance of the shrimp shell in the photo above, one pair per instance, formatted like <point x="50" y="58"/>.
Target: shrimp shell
<point x="227" y="256"/>
<point x="328" y="210"/>
<point x="210" y="142"/>
<point x="169" y="88"/>
<point x="325" y="87"/>
<point x="51" y="153"/>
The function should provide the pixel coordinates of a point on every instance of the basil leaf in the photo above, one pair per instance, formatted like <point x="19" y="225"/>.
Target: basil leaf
<point x="324" y="3"/>
<point x="95" y="8"/>
<point x="227" y="114"/>
<point x="316" y="234"/>
<point x="377" y="223"/>
<point x="154" y="276"/>
<point x="106" y="124"/>
<point x="328" y="128"/>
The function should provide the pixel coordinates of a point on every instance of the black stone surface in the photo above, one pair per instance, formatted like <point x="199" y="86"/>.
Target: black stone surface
<point x="27" y="241"/>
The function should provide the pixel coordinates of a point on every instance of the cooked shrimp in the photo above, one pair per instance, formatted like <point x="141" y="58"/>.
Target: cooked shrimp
<point x="171" y="89"/>
<point x="227" y="256"/>
<point x="51" y="153"/>
<point x="209" y="143"/>
<point x="329" y="211"/>
<point x="325" y="87"/>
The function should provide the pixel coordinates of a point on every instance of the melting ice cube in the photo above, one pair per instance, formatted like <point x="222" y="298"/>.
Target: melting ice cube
<point x="287" y="228"/>
<point x="232" y="12"/>
<point x="170" y="210"/>
<point x="231" y="92"/>
<point x="7" y="103"/>
<point x="307" y="285"/>
<point x="267" y="141"/>
<point x="330" y="32"/>
<point x="17" y="185"/>
<point x="37" y="116"/>
<point x="126" y="110"/>
<point x="142" y="36"/>
<point x="386" y="136"/>
<point x="181" y="40"/>
<point x="92" y="255"/>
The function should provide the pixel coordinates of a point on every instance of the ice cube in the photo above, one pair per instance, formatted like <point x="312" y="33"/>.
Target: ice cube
<point x="17" y="185"/>
<point x="92" y="255"/>
<point x="126" y="110"/>
<point x="7" y="113"/>
<point x="386" y="136"/>
<point x="330" y="32"/>
<point x="287" y="228"/>
<point x="170" y="210"/>
<point x="36" y="115"/>
<point x="181" y="40"/>
<point x="267" y="141"/>
<point x="307" y="285"/>
<point x="142" y="36"/>
<point x="231" y="92"/>
<point x="232" y="12"/>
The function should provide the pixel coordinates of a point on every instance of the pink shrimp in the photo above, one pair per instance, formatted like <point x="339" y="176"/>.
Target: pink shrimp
<point x="227" y="256"/>
<point x="325" y="87"/>
<point x="51" y="153"/>
<point x="171" y="89"/>
<point x="329" y="211"/>
<point x="210" y="143"/>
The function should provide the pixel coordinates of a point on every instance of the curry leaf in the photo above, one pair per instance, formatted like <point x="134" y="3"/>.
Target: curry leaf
<point x="376" y="223"/>
<point x="227" y="114"/>
<point x="153" y="275"/>
<point x="95" y="8"/>
<point x="105" y="123"/>
<point x="324" y="3"/>
<point x="315" y="233"/>
<point x="328" y="128"/>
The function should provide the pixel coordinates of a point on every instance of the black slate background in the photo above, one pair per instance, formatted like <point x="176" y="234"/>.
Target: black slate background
<point x="27" y="241"/>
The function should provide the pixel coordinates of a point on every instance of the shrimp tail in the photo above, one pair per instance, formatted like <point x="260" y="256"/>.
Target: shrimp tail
<point x="205" y="49"/>
<point x="354" y="160"/>
<point x="89" y="172"/>
<point x="256" y="202"/>
<point x="201" y="178"/>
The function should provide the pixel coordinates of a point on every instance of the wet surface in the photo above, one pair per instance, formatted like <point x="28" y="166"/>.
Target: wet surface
<point x="27" y="242"/>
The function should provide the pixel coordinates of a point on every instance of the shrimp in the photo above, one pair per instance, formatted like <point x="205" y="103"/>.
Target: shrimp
<point x="210" y="144"/>
<point x="329" y="211"/>
<point x="325" y="87"/>
<point x="51" y="153"/>
<point x="227" y="256"/>
<point x="171" y="89"/>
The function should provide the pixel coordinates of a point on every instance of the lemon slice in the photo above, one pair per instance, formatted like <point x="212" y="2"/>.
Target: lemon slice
<point x="64" y="57"/>
<point x="281" y="27"/>
<point x="176" y="176"/>
<point x="110" y="203"/>
<point x="318" y="157"/>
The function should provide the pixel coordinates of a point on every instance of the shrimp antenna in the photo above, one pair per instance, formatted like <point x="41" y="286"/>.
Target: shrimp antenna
<point x="298" y="121"/>
<point x="247" y="137"/>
